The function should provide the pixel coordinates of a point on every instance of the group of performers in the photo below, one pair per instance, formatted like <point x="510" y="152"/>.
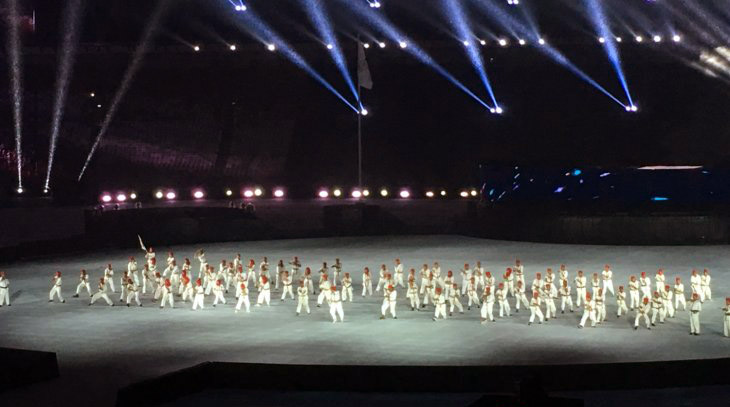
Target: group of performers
<point x="652" y="299"/>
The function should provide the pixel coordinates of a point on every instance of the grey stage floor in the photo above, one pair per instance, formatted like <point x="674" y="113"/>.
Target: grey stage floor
<point x="101" y="348"/>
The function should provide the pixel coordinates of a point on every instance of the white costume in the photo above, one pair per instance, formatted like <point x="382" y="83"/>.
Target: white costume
<point x="440" y="301"/>
<point x="167" y="296"/>
<point x="454" y="301"/>
<point x="642" y="312"/>
<point x="667" y="301"/>
<point x="634" y="294"/>
<point x="199" y="297"/>
<point x="367" y="284"/>
<point x="243" y="298"/>
<point x="705" y="286"/>
<point x="501" y="296"/>
<point x="286" y="287"/>
<point x="335" y="303"/>
<point x="132" y="271"/>
<point x="471" y="291"/>
<point x="679" y="296"/>
<point x="218" y="293"/>
<point x="600" y="302"/>
<point x="346" y="288"/>
<point x="101" y="294"/>
<point x="589" y="313"/>
<point x="108" y="278"/>
<point x="412" y="295"/>
<point x="389" y="302"/>
<point x="466" y="274"/>
<point x="565" y="298"/>
<point x="4" y="291"/>
<point x="56" y="289"/>
<point x="580" y="290"/>
<point x="520" y="297"/>
<point x="83" y="283"/>
<point x="695" y="306"/>
<point x="726" y="319"/>
<point x="549" y="295"/>
<point x="621" y="303"/>
<point x="133" y="292"/>
<point x="607" y="275"/>
<point x="398" y="275"/>
<point x="645" y="287"/>
<point x="487" y="310"/>
<point x="535" y="310"/>
<point x="303" y="299"/>
<point x="264" y="293"/>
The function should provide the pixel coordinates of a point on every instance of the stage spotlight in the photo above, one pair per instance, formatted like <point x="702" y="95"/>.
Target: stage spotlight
<point x="121" y="198"/>
<point x="482" y="42"/>
<point x="170" y="195"/>
<point x="639" y="38"/>
<point x="383" y="192"/>
<point x="404" y="193"/>
<point x="278" y="193"/>
<point x="366" y="45"/>
<point x="601" y="40"/>
<point x="330" y="46"/>
<point x="337" y="192"/>
<point x="232" y="47"/>
<point x="464" y="194"/>
<point x="541" y="41"/>
<point x="365" y="192"/>
<point x="133" y="196"/>
<point x="657" y="38"/>
<point x="46" y="190"/>
<point x="430" y="194"/>
<point x="229" y="192"/>
<point x="323" y="193"/>
<point x="499" y="110"/>
<point x="619" y="39"/>
<point x="247" y="193"/>
<point x="240" y="8"/>
<point x="258" y="191"/>
<point x="104" y="198"/>
<point x="381" y="44"/>
<point x="492" y="110"/>
<point x="403" y="44"/>
<point x="159" y="195"/>
<point x="473" y="192"/>
<point x="356" y="194"/>
<point x="503" y="42"/>
<point x="522" y="42"/>
<point x="92" y="94"/>
<point x="196" y="48"/>
<point x="466" y="43"/>
<point x="198" y="194"/>
<point x="377" y="4"/>
<point x="98" y="106"/>
<point x="676" y="38"/>
<point x="634" y="108"/>
<point x="364" y="112"/>
<point x="443" y="192"/>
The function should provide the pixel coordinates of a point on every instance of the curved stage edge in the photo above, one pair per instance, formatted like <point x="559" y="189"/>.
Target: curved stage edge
<point x="419" y="379"/>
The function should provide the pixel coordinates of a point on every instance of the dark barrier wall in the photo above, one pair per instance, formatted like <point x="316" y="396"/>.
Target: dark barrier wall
<point x="23" y="367"/>
<point x="24" y="225"/>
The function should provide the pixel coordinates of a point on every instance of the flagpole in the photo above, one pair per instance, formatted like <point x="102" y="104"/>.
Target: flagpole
<point x="359" y="128"/>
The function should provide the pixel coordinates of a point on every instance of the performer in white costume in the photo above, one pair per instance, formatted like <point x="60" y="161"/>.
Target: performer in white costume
<point x="634" y="293"/>
<point x="287" y="286"/>
<point x="4" y="289"/>
<point x="565" y="298"/>
<point x="695" y="307"/>
<point x="199" y="299"/>
<point x="705" y="285"/>
<point x="679" y="295"/>
<point x="607" y="275"/>
<point x="335" y="302"/>
<point x="243" y="298"/>
<point x="440" y="302"/>
<point x="83" y="283"/>
<point x="367" y="282"/>
<point x="621" y="302"/>
<point x="487" y="311"/>
<point x="347" y="287"/>
<point x="589" y="312"/>
<point x="412" y="294"/>
<point x="454" y="300"/>
<point x="535" y="308"/>
<point x="101" y="293"/>
<point x="302" y="298"/>
<point x="642" y="313"/>
<point x="580" y="289"/>
<point x="389" y="302"/>
<point x="56" y="288"/>
<point x="398" y="273"/>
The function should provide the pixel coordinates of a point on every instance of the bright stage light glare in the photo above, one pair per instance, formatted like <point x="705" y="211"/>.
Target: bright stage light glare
<point x="381" y="44"/>
<point x="106" y="198"/>
<point x="657" y="38"/>
<point x="601" y="40"/>
<point x="492" y="110"/>
<point x="676" y="38"/>
<point x="639" y="38"/>
<point x="383" y="192"/>
<point x="405" y="194"/>
<point x="403" y="44"/>
<point x="464" y="194"/>
<point x="634" y="108"/>
<point x="46" y="190"/>
<point x="356" y="194"/>
<point x="466" y="43"/>
<point x="198" y="194"/>
<point x="196" y="48"/>
<point x="98" y="106"/>
<point x="502" y="42"/>
<point x="337" y="192"/>
<point x="170" y="195"/>
<point x="232" y="47"/>
<point x="239" y="8"/>
<point x="229" y="192"/>
<point x="271" y="47"/>
<point x="499" y="110"/>
<point x="366" y="192"/>
<point x="522" y="42"/>
<point x="443" y="193"/>
<point x="121" y="198"/>
<point x="366" y="45"/>
<point x="278" y="193"/>
<point x="364" y="112"/>
<point x="92" y="94"/>
<point x="482" y="42"/>
<point x="323" y="193"/>
<point x="258" y="191"/>
<point x="430" y="194"/>
<point x="159" y="195"/>
<point x="473" y="192"/>
<point x="19" y="190"/>
<point x="541" y="41"/>
<point x="133" y="196"/>
<point x="619" y="39"/>
<point x="247" y="193"/>
<point x="330" y="46"/>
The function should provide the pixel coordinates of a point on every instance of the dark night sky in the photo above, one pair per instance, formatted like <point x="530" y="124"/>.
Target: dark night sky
<point x="285" y="128"/>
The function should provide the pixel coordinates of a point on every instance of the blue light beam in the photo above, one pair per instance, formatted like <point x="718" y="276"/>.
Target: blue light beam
<point x="598" y="16"/>
<point x="317" y="14"/>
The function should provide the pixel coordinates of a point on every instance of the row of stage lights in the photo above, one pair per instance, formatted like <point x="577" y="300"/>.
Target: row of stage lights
<point x="279" y="193"/>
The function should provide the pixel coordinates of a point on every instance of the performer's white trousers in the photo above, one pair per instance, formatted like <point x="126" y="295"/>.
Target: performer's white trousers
<point x="634" y="296"/>
<point x="167" y="298"/>
<point x="454" y="302"/>
<point x="680" y="299"/>
<point x="264" y="297"/>
<point x="243" y="300"/>
<point x="303" y="302"/>
<point x="428" y="296"/>
<point x="668" y="309"/>
<point x="110" y="281"/>
<point x="646" y="293"/>
<point x="639" y="316"/>
<point x="415" y="300"/>
<point x="384" y="308"/>
<point x="336" y="310"/>
<point x="424" y="282"/>
<point x="56" y="290"/>
<point x="566" y="300"/>
<point x="187" y="293"/>
<point x="706" y="292"/>
<point x="381" y="283"/>
<point x="102" y="295"/>
<point x="287" y="290"/>
<point x="608" y="286"/>
<point x="367" y="286"/>
<point x="321" y="297"/>
<point x="145" y="282"/>
<point x="694" y="322"/>
<point x="621" y="305"/>
<point x="580" y="296"/>
<point x="586" y="316"/>
<point x="550" y="309"/>
<point x="198" y="301"/>
<point x="488" y="310"/>
<point x="503" y="308"/>
<point x="600" y="313"/>
<point x="123" y="292"/>
<point x="4" y="296"/>
<point x="209" y="286"/>
<point x="135" y="295"/>
<point x="83" y="285"/>
<point x="440" y="310"/>
<point x="536" y="311"/>
<point x="726" y="325"/>
<point x="656" y="312"/>
<point x="310" y="286"/>
<point x="399" y="280"/>
<point x="473" y="299"/>
<point x="521" y="298"/>
<point x="219" y="298"/>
